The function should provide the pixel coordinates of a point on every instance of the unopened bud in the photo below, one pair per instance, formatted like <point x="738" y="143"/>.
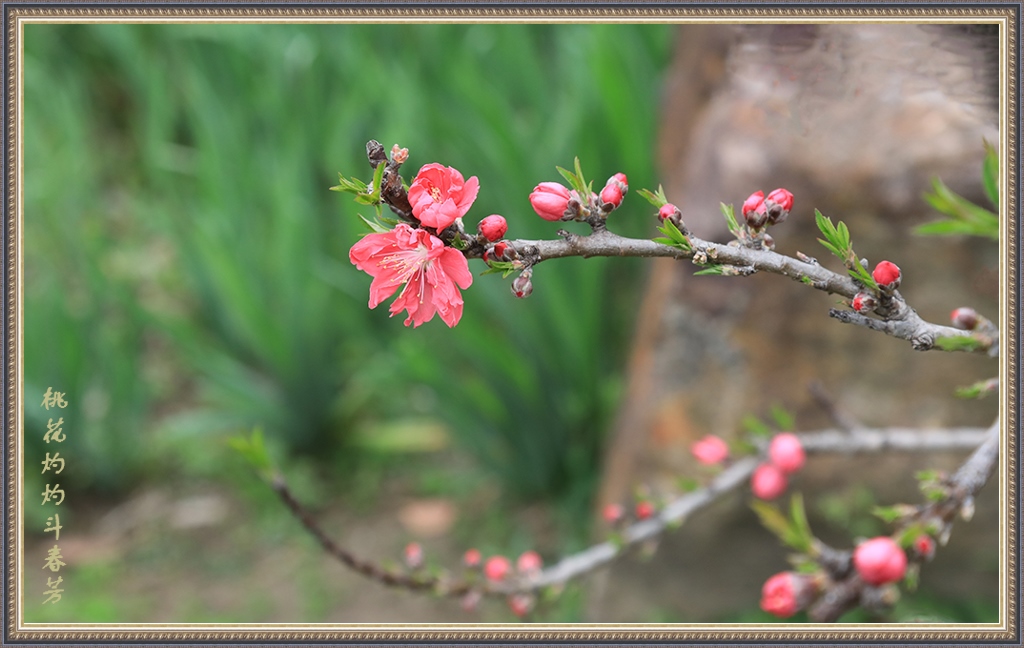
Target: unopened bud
<point x="670" y="212"/>
<point x="493" y="227"/>
<point x="619" y="179"/>
<point x="413" y="555"/>
<point x="520" y="604"/>
<point x="644" y="509"/>
<point x="887" y="275"/>
<point x="529" y="563"/>
<point x="964" y="318"/>
<point x="924" y="546"/>
<point x="497" y="567"/>
<point x="522" y="287"/>
<point x="782" y="198"/>
<point x="754" y="210"/>
<point x="768" y="482"/>
<point x="612" y="513"/>
<point x="399" y="155"/>
<point x="864" y="302"/>
<point x="611" y="197"/>
<point x="471" y="558"/>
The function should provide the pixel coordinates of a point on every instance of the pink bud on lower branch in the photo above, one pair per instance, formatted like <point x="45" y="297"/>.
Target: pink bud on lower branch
<point x="768" y="482"/>
<point x="887" y="275"/>
<point x="786" y="593"/>
<point x="964" y="318"/>
<point x="497" y="568"/>
<point x="611" y="198"/>
<point x="644" y="510"/>
<point x="520" y="604"/>
<point x="786" y="452"/>
<point x="493" y="227"/>
<point x="880" y="560"/>
<point x="670" y="212"/>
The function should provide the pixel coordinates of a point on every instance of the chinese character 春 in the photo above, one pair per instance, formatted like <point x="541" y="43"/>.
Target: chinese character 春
<point x="53" y="524"/>
<point x="53" y="593"/>
<point x="53" y="461"/>
<point x="53" y="559"/>
<point x="54" y="399"/>
<point x="53" y="431"/>
<point x="51" y="493"/>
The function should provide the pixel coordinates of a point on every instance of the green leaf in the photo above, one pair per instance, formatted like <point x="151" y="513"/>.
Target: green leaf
<point x="959" y="343"/>
<point x="730" y="217"/>
<point x="756" y="426"/>
<point x="801" y="538"/>
<point x="657" y="199"/>
<point x="504" y="267"/>
<point x="254" y="451"/>
<point x="378" y="173"/>
<point x="782" y="417"/>
<point x="888" y="514"/>
<point x="715" y="269"/>
<point x="973" y="219"/>
<point x="373" y="227"/>
<point x="676" y="238"/>
<point x="771" y="518"/>
<point x="990" y="174"/>
<point x="844" y="235"/>
<point x="979" y="389"/>
<point x="568" y="175"/>
<point x="688" y="484"/>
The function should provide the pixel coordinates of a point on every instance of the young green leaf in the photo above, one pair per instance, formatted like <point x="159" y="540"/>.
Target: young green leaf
<point x="730" y="217"/>
<point x="783" y="419"/>
<point x="959" y="343"/>
<point x="990" y="174"/>
<point x="714" y="269"/>
<point x="372" y="226"/>
<point x="657" y="199"/>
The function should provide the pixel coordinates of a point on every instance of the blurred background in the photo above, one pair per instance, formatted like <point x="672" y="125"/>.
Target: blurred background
<point x="186" y="279"/>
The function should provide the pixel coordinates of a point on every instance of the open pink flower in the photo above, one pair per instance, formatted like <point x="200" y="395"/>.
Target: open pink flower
<point x="431" y="273"/>
<point x="438" y="195"/>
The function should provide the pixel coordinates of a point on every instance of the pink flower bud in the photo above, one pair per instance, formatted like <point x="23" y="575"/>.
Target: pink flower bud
<point x="880" y="560"/>
<point x="612" y="513"/>
<point x="755" y="211"/>
<point x="781" y="593"/>
<point x="497" y="568"/>
<point x="670" y="212"/>
<point x="786" y="453"/>
<point x="529" y="562"/>
<point x="864" y="302"/>
<point x="710" y="450"/>
<point x="520" y="604"/>
<point x="619" y="179"/>
<point x="413" y="555"/>
<point x="550" y="200"/>
<point x="752" y="202"/>
<point x="924" y="546"/>
<point x="768" y="482"/>
<point x="782" y="198"/>
<point x="964" y="318"/>
<point x="471" y="558"/>
<point x="522" y="286"/>
<point x="493" y="227"/>
<point x="611" y="197"/>
<point x="887" y="275"/>
<point x="644" y="510"/>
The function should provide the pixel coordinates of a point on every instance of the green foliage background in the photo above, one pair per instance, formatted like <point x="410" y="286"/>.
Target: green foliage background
<point x="186" y="271"/>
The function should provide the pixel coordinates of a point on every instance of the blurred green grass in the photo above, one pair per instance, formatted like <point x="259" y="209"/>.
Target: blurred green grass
<point x="186" y="271"/>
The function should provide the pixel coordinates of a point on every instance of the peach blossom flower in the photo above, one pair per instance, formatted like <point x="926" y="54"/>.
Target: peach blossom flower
<point x="430" y="272"/>
<point x="438" y="195"/>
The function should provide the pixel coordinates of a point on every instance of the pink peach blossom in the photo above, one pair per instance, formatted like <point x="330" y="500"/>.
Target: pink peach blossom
<point x="710" y="450"/>
<point x="786" y="452"/>
<point x="880" y="560"/>
<point x="438" y="195"/>
<point x="430" y="272"/>
<point x="779" y="595"/>
<point x="768" y="482"/>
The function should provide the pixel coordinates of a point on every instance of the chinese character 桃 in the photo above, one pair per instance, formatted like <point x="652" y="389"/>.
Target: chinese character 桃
<point x="51" y="493"/>
<point x="53" y="399"/>
<point x="50" y="462"/>
<point x="53" y="431"/>
<point x="53" y="559"/>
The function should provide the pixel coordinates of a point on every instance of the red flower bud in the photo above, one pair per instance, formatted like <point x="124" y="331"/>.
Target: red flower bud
<point x="620" y="180"/>
<point x="612" y="513"/>
<point x="670" y="212"/>
<point x="413" y="555"/>
<point x="497" y="568"/>
<point x="755" y="211"/>
<point x="964" y="318"/>
<point x="752" y="202"/>
<point x="529" y="562"/>
<point x="644" y="510"/>
<point x="864" y="302"/>
<point x="786" y="452"/>
<point x="493" y="227"/>
<point x="710" y="450"/>
<point x="768" y="482"/>
<point x="782" y="198"/>
<point x="520" y="604"/>
<point x="471" y="558"/>
<point x="782" y="593"/>
<point x="611" y="197"/>
<point x="924" y="546"/>
<point x="887" y="275"/>
<point x="550" y="200"/>
<point x="880" y="560"/>
<point x="522" y="287"/>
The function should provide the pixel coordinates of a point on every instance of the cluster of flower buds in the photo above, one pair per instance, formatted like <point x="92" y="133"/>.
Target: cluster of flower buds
<point x="500" y="251"/>
<point x="760" y="210"/>
<point x="522" y="286"/>
<point x="710" y="450"/>
<point x="787" y="593"/>
<point x="887" y="275"/>
<point x="613" y="192"/>
<point x="785" y="457"/>
<point x="880" y="560"/>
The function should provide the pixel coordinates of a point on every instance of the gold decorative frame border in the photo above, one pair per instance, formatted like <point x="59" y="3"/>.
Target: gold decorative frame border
<point x="1008" y="631"/>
